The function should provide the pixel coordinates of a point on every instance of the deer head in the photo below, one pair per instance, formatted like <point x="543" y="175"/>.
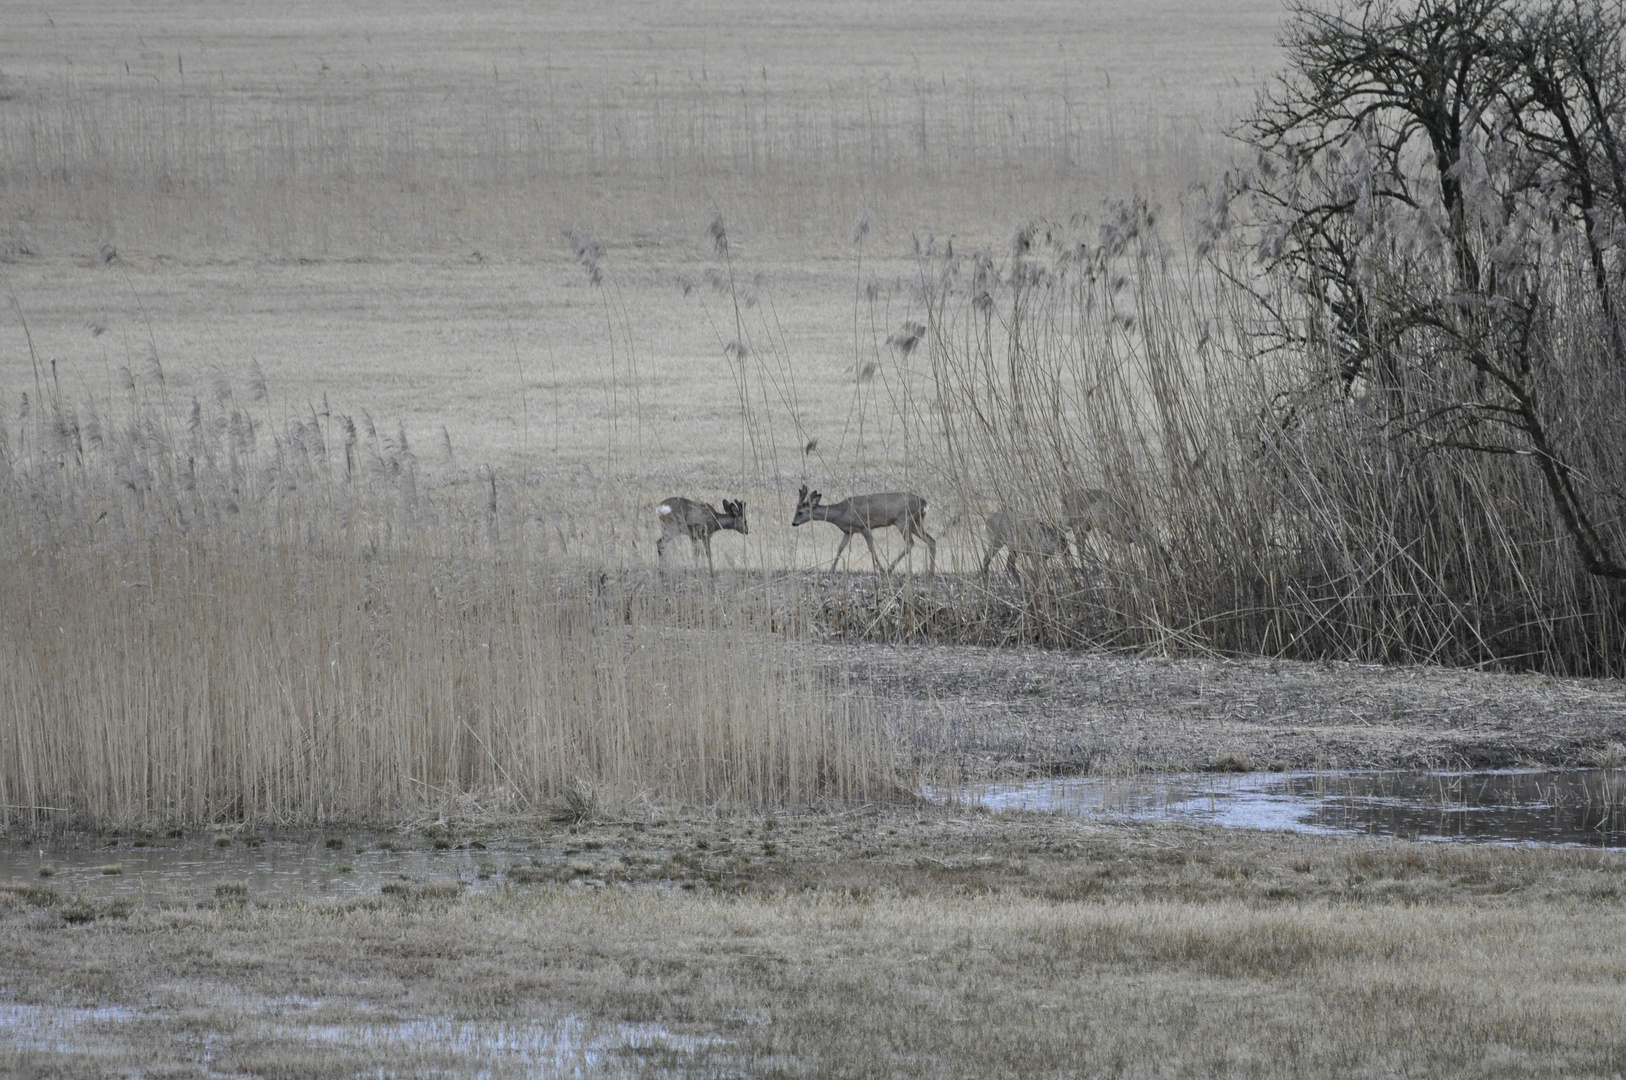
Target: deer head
<point x="736" y="510"/>
<point x="804" y="506"/>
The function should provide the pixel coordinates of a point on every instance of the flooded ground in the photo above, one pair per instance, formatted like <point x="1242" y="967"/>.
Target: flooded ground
<point x="265" y="868"/>
<point x="879" y="940"/>
<point x="565" y="1046"/>
<point x="1568" y="807"/>
<point x="427" y="1008"/>
<point x="103" y="875"/>
<point x="1565" y="807"/>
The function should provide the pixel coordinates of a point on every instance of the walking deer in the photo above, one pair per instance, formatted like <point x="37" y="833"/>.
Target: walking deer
<point x="1101" y="512"/>
<point x="699" y="522"/>
<point x="1023" y="535"/>
<point x="863" y="514"/>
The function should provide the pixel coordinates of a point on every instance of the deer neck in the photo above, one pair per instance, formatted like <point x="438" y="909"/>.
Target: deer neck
<point x="840" y="513"/>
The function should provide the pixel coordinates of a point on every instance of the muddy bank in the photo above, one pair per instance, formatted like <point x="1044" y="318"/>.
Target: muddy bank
<point x="1007" y="712"/>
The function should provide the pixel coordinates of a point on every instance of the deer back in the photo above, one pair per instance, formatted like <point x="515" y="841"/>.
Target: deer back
<point x="1099" y="510"/>
<point x="884" y="508"/>
<point x="1028" y="535"/>
<point x="680" y="515"/>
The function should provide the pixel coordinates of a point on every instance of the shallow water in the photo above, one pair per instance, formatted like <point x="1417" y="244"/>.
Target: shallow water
<point x="58" y="1029"/>
<point x="1568" y="807"/>
<point x="272" y="869"/>
<point x="291" y="869"/>
<point x="565" y="1046"/>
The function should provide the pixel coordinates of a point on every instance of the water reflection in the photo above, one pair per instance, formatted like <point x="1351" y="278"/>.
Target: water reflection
<point x="59" y="1030"/>
<point x="1570" y="807"/>
<point x="565" y="1046"/>
<point x="557" y="1047"/>
<point x="270" y="868"/>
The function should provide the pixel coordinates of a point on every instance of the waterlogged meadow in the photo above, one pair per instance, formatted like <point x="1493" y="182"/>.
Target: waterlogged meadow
<point x="901" y="943"/>
<point x="351" y="721"/>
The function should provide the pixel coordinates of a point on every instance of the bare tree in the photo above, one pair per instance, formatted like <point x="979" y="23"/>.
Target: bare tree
<point x="1443" y="185"/>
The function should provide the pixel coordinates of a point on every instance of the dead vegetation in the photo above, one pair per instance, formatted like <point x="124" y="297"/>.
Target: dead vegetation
<point x="215" y="617"/>
<point x="310" y="133"/>
<point x="936" y="943"/>
<point x="1007" y="713"/>
<point x="222" y="615"/>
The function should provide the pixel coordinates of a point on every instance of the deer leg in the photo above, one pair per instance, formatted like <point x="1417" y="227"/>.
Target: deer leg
<point x="696" y="543"/>
<point x="709" y="565"/>
<point x="869" y="538"/>
<point x="845" y="537"/>
<point x="912" y="529"/>
<point x="918" y="530"/>
<point x="988" y="559"/>
<point x="908" y="546"/>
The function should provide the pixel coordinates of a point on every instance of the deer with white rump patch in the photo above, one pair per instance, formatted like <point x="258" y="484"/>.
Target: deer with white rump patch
<point x="863" y="514"/>
<point x="699" y="522"/>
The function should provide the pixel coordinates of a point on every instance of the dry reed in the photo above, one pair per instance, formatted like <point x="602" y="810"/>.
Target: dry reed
<point x="1255" y="507"/>
<point x="208" y="617"/>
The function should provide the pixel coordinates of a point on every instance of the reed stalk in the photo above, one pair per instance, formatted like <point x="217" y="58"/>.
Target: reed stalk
<point x="218" y="619"/>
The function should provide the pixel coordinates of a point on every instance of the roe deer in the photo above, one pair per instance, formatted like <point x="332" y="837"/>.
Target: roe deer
<point x="1094" y="510"/>
<point x="865" y="513"/>
<point x="698" y="521"/>
<point x="1023" y="535"/>
<point x="1098" y="510"/>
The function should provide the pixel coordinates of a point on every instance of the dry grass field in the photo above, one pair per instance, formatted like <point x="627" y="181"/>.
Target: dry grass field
<point x="375" y="206"/>
<point x="346" y="351"/>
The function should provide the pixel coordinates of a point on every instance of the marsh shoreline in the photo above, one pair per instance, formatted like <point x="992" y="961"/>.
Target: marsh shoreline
<point x="923" y="941"/>
<point x="902" y="939"/>
<point x="1001" y="713"/>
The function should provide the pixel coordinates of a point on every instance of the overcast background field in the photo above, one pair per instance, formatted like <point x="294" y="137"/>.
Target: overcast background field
<point x="374" y="204"/>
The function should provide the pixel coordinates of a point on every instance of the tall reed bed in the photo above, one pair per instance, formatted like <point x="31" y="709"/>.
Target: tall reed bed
<point x="209" y="617"/>
<point x="1256" y="505"/>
